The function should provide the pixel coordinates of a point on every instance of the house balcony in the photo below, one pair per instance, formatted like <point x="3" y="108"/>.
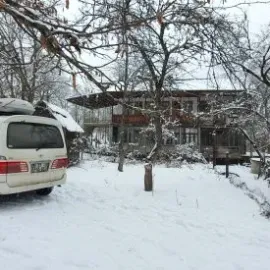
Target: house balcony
<point x="183" y="118"/>
<point x="133" y="119"/>
<point x="214" y="121"/>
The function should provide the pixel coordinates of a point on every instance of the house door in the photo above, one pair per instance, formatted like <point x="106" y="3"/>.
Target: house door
<point x="115" y="135"/>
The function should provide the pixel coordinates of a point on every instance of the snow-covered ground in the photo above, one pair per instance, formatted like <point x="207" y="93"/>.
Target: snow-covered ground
<point x="102" y="219"/>
<point x="256" y="188"/>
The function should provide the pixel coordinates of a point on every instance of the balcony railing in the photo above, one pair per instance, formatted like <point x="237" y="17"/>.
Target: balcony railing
<point x="141" y="119"/>
<point x="131" y="119"/>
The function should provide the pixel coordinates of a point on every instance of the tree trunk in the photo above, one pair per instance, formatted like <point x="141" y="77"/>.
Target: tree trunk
<point x="23" y="92"/>
<point x="214" y="136"/>
<point x="158" y="135"/>
<point x="31" y="96"/>
<point x="121" y="142"/>
<point x="158" y="125"/>
<point x="124" y="108"/>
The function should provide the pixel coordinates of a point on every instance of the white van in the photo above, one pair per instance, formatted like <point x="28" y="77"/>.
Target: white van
<point x="33" y="154"/>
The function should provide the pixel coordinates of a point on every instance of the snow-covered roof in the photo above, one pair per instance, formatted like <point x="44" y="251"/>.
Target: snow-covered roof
<point x="108" y="99"/>
<point x="64" y="118"/>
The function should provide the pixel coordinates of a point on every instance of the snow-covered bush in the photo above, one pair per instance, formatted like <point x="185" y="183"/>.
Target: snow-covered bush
<point x="186" y="153"/>
<point x="137" y="155"/>
<point x="107" y="151"/>
<point x="75" y="147"/>
<point x="173" y="156"/>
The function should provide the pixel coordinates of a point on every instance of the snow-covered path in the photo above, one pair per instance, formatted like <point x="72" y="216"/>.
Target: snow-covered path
<point x="102" y="219"/>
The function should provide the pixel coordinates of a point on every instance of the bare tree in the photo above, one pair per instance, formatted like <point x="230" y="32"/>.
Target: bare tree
<point x="98" y="26"/>
<point x="124" y="13"/>
<point x="167" y="35"/>
<point x="246" y="61"/>
<point x="27" y="72"/>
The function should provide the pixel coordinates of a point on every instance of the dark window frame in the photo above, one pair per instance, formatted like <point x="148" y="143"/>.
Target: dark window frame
<point x="189" y="136"/>
<point x="188" y="106"/>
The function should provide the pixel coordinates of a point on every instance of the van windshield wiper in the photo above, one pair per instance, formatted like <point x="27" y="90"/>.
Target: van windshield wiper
<point x="42" y="145"/>
<point x="45" y="145"/>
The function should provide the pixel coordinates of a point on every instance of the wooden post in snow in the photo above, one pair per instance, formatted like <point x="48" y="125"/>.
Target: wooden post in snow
<point x="214" y="149"/>
<point x="148" y="177"/>
<point x="227" y="164"/>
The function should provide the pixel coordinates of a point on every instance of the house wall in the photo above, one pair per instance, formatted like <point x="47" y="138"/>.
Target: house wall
<point x="102" y="136"/>
<point x="100" y="116"/>
<point x="180" y="108"/>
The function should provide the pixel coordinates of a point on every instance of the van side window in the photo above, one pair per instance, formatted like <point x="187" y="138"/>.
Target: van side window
<point x="34" y="136"/>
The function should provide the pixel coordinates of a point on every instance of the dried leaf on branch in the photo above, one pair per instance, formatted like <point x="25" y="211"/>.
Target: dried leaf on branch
<point x="2" y="4"/>
<point x="74" y="84"/>
<point x="67" y="4"/>
<point x="118" y="49"/>
<point x="50" y="44"/>
<point x="160" y="18"/>
<point x="75" y="43"/>
<point x="43" y="41"/>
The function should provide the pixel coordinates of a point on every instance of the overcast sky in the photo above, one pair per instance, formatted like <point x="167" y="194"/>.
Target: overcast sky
<point x="258" y="14"/>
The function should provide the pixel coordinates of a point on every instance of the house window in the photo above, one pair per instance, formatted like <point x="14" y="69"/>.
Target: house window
<point x="148" y="106"/>
<point x="165" y="105"/>
<point x="188" y="106"/>
<point x="176" y="106"/>
<point x="138" y="106"/>
<point x="127" y="136"/>
<point x="222" y="137"/>
<point x="234" y="138"/>
<point x="136" y="134"/>
<point x="115" y="134"/>
<point x="169" y="141"/>
<point x="207" y="136"/>
<point x="177" y="138"/>
<point x="190" y="135"/>
<point x="203" y="106"/>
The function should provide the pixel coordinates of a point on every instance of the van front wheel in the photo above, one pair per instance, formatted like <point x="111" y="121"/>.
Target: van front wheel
<point x="44" y="191"/>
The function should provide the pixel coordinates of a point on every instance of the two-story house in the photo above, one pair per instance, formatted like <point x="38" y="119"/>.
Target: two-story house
<point x="187" y="113"/>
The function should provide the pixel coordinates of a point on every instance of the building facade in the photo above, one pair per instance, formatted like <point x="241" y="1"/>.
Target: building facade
<point x="186" y="119"/>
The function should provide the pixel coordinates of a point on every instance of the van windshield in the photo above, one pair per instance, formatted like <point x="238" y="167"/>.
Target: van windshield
<point x="32" y="135"/>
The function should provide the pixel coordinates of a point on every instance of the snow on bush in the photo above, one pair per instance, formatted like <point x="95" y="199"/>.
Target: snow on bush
<point x="181" y="154"/>
<point x="75" y="147"/>
<point x="172" y="157"/>
<point x="107" y="151"/>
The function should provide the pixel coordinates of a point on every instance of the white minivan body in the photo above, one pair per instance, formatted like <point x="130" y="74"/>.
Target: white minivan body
<point x="33" y="154"/>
